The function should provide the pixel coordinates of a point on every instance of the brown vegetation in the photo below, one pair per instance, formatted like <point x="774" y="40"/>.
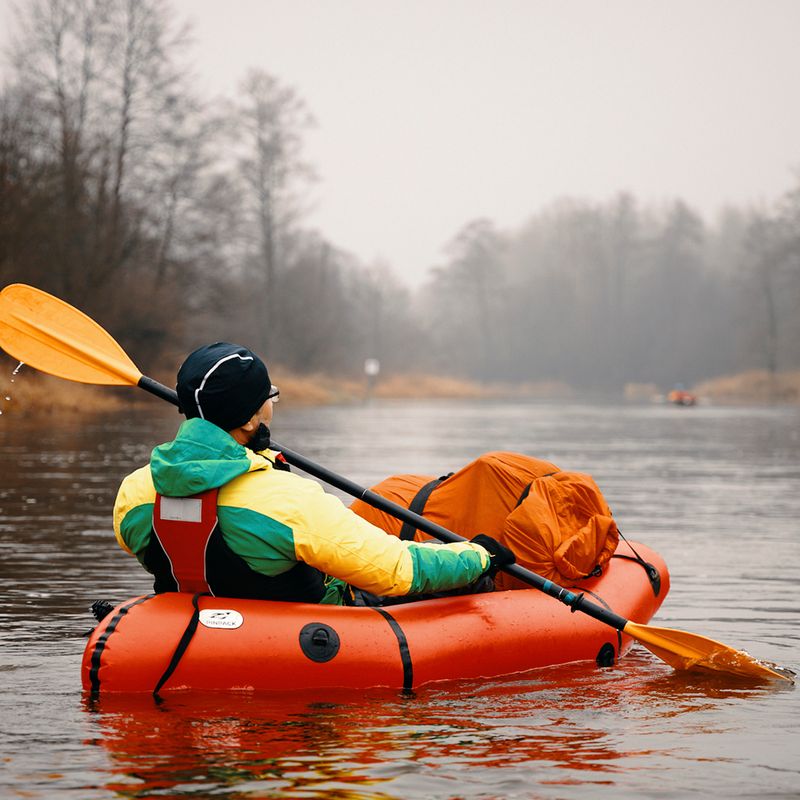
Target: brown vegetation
<point x="34" y="393"/>
<point x="755" y="386"/>
<point x="638" y="392"/>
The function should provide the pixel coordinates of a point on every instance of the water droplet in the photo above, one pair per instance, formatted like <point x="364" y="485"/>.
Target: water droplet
<point x="19" y="367"/>
<point x="7" y="397"/>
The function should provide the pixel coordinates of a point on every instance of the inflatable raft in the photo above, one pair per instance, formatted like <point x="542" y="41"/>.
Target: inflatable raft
<point x="175" y="641"/>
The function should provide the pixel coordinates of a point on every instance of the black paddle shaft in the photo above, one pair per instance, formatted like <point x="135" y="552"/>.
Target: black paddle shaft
<point x="576" y="602"/>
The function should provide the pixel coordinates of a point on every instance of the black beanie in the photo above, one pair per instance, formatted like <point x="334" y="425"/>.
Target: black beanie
<point x="222" y="383"/>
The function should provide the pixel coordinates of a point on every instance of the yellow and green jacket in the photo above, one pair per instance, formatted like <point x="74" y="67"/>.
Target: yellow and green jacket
<point x="273" y="519"/>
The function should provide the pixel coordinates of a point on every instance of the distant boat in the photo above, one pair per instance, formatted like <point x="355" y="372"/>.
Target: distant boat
<point x="680" y="397"/>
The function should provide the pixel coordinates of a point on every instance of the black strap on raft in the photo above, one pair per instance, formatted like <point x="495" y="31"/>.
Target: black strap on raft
<point x="183" y="643"/>
<point x="417" y="505"/>
<point x="527" y="490"/>
<point x="402" y="642"/>
<point x="100" y="644"/>
<point x="652" y="572"/>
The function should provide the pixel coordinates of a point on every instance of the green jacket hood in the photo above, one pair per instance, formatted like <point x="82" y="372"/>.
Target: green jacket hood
<point x="201" y="457"/>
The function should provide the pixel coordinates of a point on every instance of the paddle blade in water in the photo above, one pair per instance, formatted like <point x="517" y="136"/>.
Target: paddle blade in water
<point x="52" y="336"/>
<point x="683" y="650"/>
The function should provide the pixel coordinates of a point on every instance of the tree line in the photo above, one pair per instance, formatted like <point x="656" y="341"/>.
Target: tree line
<point x="602" y="294"/>
<point x="174" y="219"/>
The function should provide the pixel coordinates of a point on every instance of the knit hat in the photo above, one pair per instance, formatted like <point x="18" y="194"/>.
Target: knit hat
<point x="222" y="383"/>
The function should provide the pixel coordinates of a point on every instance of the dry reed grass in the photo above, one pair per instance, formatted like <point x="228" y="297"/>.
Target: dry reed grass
<point x="32" y="393"/>
<point x="404" y="387"/>
<point x="754" y="386"/>
<point x="641" y="391"/>
<point x="35" y="393"/>
<point x="443" y="387"/>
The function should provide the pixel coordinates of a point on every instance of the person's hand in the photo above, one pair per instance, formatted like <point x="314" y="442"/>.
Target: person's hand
<point x="499" y="555"/>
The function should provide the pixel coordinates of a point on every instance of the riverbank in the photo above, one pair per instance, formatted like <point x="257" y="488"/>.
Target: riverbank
<point x="755" y="386"/>
<point x="30" y="392"/>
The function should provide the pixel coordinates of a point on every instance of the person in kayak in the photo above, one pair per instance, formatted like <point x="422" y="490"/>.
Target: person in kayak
<point x="217" y="511"/>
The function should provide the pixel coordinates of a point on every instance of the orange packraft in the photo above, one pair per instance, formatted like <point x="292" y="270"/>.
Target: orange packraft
<point x="557" y="523"/>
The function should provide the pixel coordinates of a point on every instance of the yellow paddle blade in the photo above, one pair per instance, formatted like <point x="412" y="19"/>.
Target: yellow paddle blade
<point x="52" y="336"/>
<point x="683" y="650"/>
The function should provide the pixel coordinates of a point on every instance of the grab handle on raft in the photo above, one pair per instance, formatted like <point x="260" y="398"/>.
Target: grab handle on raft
<point x="51" y="335"/>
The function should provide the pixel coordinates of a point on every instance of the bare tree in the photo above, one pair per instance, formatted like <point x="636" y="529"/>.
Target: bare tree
<point x="465" y="294"/>
<point x="269" y="124"/>
<point x="113" y="151"/>
<point x="56" y="61"/>
<point x="772" y="268"/>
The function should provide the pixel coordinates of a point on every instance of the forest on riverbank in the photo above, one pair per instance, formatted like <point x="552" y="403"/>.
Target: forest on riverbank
<point x="174" y="219"/>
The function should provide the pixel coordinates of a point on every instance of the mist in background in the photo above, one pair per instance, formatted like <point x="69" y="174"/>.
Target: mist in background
<point x="598" y="194"/>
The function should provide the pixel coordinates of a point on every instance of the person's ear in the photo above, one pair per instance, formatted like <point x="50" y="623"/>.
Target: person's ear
<point x="243" y="433"/>
<point x="250" y="426"/>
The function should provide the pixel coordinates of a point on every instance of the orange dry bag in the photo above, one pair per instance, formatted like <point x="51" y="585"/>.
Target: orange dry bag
<point x="558" y="523"/>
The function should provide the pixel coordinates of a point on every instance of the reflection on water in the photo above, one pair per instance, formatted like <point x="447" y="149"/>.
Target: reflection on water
<point x="560" y="727"/>
<point x="716" y="491"/>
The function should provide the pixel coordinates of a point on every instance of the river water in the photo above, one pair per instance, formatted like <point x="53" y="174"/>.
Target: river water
<point x="715" y="490"/>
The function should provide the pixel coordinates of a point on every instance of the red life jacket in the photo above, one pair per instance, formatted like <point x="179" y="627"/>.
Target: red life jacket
<point x="183" y="526"/>
<point x="187" y="552"/>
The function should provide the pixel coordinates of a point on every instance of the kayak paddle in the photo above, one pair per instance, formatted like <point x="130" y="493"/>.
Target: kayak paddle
<point x="50" y="335"/>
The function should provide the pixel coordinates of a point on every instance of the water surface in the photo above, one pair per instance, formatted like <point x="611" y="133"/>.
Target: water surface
<point x="715" y="490"/>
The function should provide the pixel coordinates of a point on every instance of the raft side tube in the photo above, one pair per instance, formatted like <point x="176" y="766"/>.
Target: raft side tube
<point x="278" y="646"/>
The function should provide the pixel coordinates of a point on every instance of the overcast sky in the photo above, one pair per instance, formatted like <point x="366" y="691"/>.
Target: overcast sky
<point x="434" y="112"/>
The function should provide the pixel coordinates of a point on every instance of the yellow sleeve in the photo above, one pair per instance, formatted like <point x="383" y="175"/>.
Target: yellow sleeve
<point x="133" y="511"/>
<point x="335" y="540"/>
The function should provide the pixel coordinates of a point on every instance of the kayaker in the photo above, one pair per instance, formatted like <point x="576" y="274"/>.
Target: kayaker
<point x="217" y="510"/>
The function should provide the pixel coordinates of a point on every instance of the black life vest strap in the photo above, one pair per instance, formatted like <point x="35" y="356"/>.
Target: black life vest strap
<point x="183" y="644"/>
<point x="417" y="505"/>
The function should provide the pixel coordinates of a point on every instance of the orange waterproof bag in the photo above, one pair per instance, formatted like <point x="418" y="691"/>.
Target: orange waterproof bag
<point x="557" y="523"/>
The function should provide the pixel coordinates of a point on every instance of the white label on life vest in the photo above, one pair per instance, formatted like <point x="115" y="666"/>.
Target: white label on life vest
<point x="181" y="509"/>
<point x="221" y="618"/>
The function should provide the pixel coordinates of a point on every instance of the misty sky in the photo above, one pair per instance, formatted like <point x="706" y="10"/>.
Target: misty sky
<point x="432" y="113"/>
